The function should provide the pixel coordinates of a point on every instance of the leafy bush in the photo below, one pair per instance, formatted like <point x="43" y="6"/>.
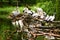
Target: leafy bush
<point x="48" y="7"/>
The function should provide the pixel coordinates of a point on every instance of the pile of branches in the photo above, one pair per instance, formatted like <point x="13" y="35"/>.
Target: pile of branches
<point x="34" y="25"/>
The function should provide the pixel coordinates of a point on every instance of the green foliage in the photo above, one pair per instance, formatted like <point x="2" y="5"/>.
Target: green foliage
<point x="58" y="9"/>
<point x="48" y="7"/>
<point x="40" y="38"/>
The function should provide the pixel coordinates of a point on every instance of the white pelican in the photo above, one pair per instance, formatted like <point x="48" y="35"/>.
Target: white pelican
<point x="25" y="10"/>
<point x="16" y="12"/>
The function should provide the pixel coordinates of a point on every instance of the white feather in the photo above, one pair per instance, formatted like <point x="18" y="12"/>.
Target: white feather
<point x="17" y="23"/>
<point x="25" y="9"/>
<point x="42" y="16"/>
<point x="26" y="30"/>
<point x="47" y="17"/>
<point x="53" y="17"/>
<point x="16" y="12"/>
<point x="39" y="10"/>
<point x="29" y="12"/>
<point x="13" y="23"/>
<point x="35" y="15"/>
<point x="21" y="23"/>
<point x="49" y="37"/>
